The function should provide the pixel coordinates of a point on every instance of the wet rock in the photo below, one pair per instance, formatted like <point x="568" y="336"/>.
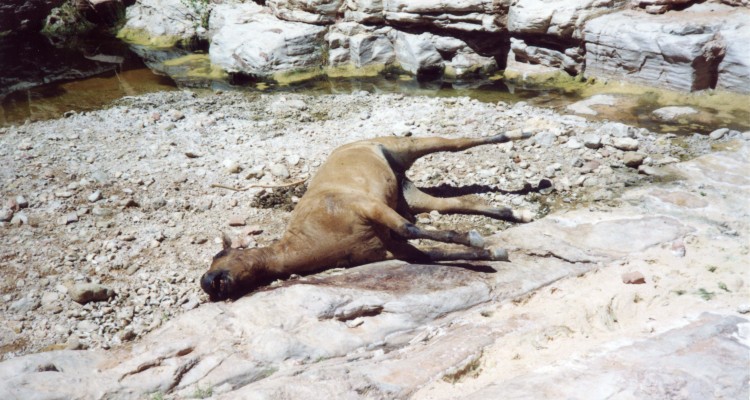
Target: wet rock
<point x="585" y="106"/>
<point x="83" y="293"/>
<point x="633" y="278"/>
<point x="163" y="22"/>
<point x="673" y="113"/>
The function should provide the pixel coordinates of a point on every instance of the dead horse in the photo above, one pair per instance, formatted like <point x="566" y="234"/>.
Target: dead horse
<point x="359" y="209"/>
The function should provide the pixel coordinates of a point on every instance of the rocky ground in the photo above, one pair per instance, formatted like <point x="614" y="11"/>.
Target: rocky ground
<point x="109" y="217"/>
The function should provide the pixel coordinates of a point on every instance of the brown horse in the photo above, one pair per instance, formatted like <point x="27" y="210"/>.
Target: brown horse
<point x="358" y="209"/>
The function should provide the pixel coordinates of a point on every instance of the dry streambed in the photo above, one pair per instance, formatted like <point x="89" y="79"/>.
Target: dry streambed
<point x="108" y="217"/>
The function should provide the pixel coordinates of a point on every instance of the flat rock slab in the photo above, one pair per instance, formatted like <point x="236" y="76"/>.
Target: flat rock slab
<point x="706" y="359"/>
<point x="385" y="330"/>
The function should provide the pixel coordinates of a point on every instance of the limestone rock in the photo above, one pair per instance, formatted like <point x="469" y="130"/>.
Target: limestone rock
<point x="547" y="57"/>
<point x="308" y="11"/>
<point x="460" y="15"/>
<point x="417" y="54"/>
<point x="250" y="42"/>
<point x="562" y="19"/>
<point x="678" y="360"/>
<point x="358" y="45"/>
<point x="162" y="22"/>
<point x="689" y="50"/>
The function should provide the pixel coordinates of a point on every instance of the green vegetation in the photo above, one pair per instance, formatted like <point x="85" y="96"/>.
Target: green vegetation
<point x="66" y="20"/>
<point x="705" y="294"/>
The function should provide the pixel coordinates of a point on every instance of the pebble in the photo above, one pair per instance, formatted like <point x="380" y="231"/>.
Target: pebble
<point x="87" y="326"/>
<point x="19" y="219"/>
<point x="545" y="139"/>
<point x="718" y="134"/>
<point x="633" y="160"/>
<point x="6" y="214"/>
<point x="63" y="194"/>
<point x="592" y="141"/>
<point x="633" y="278"/>
<point x="678" y="248"/>
<point x="625" y="144"/>
<point x="279" y="170"/>
<point x="68" y="218"/>
<point x="231" y="166"/>
<point x="743" y="308"/>
<point x="96" y="196"/>
<point x="293" y="159"/>
<point x="25" y="304"/>
<point x="617" y="129"/>
<point x="21" y="202"/>
<point x="236" y="220"/>
<point x="83" y="293"/>
<point x="574" y="144"/>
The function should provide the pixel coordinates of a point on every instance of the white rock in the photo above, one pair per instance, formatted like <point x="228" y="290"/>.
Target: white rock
<point x="625" y="144"/>
<point x="417" y="54"/>
<point x="260" y="44"/>
<point x="231" y="166"/>
<point x="96" y="196"/>
<point x="718" y="134"/>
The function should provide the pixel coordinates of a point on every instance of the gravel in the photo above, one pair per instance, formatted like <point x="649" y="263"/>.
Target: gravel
<point x="120" y="201"/>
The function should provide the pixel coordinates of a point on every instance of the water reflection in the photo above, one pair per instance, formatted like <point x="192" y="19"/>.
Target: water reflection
<point x="40" y="81"/>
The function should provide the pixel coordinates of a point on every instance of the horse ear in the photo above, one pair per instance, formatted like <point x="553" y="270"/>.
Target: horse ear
<point x="226" y="241"/>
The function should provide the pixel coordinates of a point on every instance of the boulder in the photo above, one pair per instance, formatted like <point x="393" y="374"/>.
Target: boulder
<point x="687" y="51"/>
<point x="321" y="12"/>
<point x="734" y="68"/>
<point x="350" y="43"/>
<point x="244" y="40"/>
<point x="417" y="54"/>
<point x="562" y="19"/>
<point x="163" y="23"/>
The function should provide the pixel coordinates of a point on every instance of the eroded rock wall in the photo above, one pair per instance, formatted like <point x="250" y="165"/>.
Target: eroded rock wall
<point x="682" y="45"/>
